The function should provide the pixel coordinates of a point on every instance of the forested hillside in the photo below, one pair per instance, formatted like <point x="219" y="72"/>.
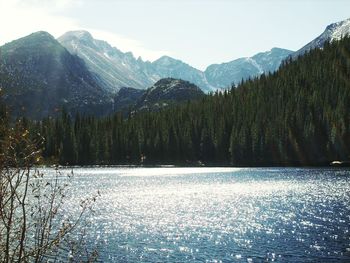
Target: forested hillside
<point x="297" y="116"/>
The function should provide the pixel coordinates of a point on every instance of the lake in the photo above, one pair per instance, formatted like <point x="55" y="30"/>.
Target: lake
<point x="217" y="214"/>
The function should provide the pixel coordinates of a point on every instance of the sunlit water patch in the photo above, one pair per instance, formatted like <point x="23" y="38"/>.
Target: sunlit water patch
<point x="217" y="214"/>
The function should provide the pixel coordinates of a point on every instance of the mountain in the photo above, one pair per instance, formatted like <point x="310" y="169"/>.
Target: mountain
<point x="166" y="92"/>
<point x="225" y="74"/>
<point x="115" y="69"/>
<point x="39" y="77"/>
<point x="332" y="32"/>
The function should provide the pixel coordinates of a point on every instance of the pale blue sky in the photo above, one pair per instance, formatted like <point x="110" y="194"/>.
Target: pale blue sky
<point x="197" y="32"/>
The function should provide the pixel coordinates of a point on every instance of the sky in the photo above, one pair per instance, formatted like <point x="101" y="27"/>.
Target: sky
<point x="199" y="32"/>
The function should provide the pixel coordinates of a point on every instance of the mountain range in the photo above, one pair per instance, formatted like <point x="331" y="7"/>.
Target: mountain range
<point x="117" y="69"/>
<point x="41" y="75"/>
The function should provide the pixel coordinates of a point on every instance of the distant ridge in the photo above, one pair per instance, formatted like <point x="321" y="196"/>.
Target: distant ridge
<point x="225" y="74"/>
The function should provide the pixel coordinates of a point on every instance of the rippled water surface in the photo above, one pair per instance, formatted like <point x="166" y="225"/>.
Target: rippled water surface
<point x="218" y="214"/>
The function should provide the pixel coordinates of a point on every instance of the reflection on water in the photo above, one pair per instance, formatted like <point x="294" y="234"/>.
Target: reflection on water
<point x="218" y="214"/>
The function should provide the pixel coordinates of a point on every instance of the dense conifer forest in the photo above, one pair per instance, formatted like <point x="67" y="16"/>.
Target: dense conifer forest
<point x="299" y="115"/>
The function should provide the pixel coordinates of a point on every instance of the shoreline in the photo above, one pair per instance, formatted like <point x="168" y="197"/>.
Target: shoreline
<point x="190" y="166"/>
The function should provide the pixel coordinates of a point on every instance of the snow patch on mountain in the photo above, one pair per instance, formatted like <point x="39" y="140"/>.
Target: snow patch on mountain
<point x="340" y="29"/>
<point x="255" y="64"/>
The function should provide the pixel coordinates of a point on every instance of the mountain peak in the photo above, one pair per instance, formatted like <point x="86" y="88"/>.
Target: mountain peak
<point x="278" y="49"/>
<point x="168" y="91"/>
<point x="81" y="34"/>
<point x="275" y="52"/>
<point x="339" y="29"/>
<point x="332" y="32"/>
<point x="33" y="43"/>
<point x="166" y="81"/>
<point x="115" y="68"/>
<point x="172" y="85"/>
<point x="40" y="37"/>
<point x="42" y="34"/>
<point x="166" y="60"/>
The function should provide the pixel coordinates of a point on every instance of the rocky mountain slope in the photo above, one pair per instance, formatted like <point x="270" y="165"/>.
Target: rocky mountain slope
<point x="114" y="68"/>
<point x="166" y="92"/>
<point x="126" y="98"/>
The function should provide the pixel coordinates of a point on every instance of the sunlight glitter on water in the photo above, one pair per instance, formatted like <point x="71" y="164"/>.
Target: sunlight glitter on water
<point x="154" y="171"/>
<point x="218" y="214"/>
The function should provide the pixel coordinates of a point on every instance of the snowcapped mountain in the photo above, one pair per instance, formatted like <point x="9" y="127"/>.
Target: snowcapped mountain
<point x="332" y="32"/>
<point x="113" y="68"/>
<point x="223" y="75"/>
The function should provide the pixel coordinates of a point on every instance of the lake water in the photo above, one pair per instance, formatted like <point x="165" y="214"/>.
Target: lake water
<point x="217" y="214"/>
